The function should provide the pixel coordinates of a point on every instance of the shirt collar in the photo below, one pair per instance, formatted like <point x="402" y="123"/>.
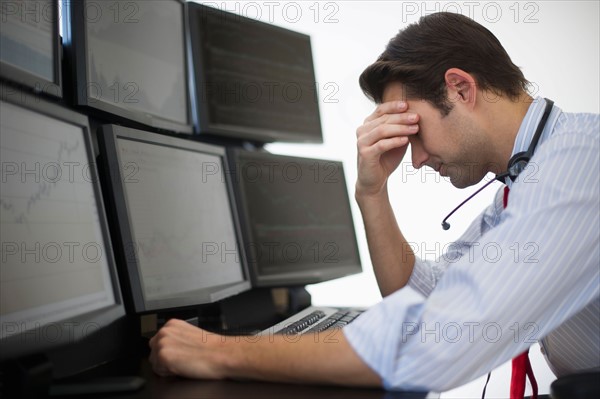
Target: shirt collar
<point x="529" y="126"/>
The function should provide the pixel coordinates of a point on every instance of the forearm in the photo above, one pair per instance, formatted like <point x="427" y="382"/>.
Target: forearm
<point x="393" y="259"/>
<point x="327" y="358"/>
<point x="319" y="359"/>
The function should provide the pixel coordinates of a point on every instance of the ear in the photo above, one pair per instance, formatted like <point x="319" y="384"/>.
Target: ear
<point x="462" y="87"/>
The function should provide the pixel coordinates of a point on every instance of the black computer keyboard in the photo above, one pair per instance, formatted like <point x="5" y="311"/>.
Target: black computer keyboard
<point x="315" y="320"/>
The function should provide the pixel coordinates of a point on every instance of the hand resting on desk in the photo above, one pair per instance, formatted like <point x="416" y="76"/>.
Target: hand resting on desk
<point x="187" y="351"/>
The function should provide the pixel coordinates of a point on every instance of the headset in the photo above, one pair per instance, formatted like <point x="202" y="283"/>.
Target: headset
<point x="517" y="162"/>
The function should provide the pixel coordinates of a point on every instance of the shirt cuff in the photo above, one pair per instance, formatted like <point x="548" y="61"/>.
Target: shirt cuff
<point x="376" y="336"/>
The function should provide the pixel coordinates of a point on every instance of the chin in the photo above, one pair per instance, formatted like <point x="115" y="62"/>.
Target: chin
<point x="460" y="183"/>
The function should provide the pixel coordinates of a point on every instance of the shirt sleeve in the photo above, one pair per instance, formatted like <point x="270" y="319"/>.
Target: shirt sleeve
<point x="537" y="268"/>
<point x="426" y="274"/>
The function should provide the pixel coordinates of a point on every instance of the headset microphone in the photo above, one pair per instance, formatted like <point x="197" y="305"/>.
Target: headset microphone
<point x="446" y="225"/>
<point x="516" y="164"/>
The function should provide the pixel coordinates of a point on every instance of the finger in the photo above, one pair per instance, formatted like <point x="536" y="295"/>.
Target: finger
<point x="176" y="328"/>
<point x="404" y="119"/>
<point x="383" y="146"/>
<point x="386" y="131"/>
<point x="153" y="358"/>
<point x="391" y="107"/>
<point x="186" y="333"/>
<point x="162" y="355"/>
<point x="160" y="368"/>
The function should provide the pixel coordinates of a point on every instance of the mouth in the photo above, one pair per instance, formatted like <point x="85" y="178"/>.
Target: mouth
<point x="440" y="168"/>
<point x="436" y="167"/>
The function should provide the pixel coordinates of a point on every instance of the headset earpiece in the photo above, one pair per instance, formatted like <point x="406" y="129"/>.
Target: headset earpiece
<point x="519" y="161"/>
<point x="517" y="164"/>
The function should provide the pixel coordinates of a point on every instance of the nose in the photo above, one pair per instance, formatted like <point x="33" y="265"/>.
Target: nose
<point x="419" y="155"/>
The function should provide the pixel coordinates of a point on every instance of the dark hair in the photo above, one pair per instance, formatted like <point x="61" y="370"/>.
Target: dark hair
<point x="419" y="56"/>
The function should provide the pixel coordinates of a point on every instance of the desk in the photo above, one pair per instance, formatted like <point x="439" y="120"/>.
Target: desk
<point x="178" y="388"/>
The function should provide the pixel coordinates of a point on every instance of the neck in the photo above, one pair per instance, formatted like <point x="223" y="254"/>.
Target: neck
<point x="505" y="119"/>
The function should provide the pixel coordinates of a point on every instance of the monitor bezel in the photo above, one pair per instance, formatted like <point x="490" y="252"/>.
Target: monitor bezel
<point x="76" y="47"/>
<point x="122" y="232"/>
<point x="73" y="329"/>
<point x="202" y="120"/>
<point x="32" y="81"/>
<point x="291" y="279"/>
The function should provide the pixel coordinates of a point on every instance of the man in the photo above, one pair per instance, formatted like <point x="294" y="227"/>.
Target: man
<point x="447" y="87"/>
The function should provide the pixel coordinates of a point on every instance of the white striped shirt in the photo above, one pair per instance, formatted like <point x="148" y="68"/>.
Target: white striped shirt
<point x="517" y="275"/>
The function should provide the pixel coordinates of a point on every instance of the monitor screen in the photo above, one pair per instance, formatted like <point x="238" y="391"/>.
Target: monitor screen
<point x="57" y="277"/>
<point x="296" y="217"/>
<point x="253" y="80"/>
<point x="178" y="229"/>
<point x="30" y="44"/>
<point x="130" y="60"/>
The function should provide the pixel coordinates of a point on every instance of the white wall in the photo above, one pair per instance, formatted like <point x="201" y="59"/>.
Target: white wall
<point x="556" y="43"/>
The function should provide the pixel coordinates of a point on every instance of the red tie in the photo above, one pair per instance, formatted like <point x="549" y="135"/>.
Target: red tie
<point x="521" y="366"/>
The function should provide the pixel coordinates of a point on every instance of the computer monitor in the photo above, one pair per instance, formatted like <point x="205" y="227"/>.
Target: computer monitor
<point x="253" y="81"/>
<point x="58" y="283"/>
<point x="128" y="58"/>
<point x="296" y="218"/>
<point x="177" y="224"/>
<point x="30" y="49"/>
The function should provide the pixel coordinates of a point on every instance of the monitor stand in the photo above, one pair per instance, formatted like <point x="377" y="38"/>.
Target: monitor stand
<point x="103" y="362"/>
<point x="32" y="377"/>
<point x="249" y="312"/>
<point x="244" y="314"/>
<point x="26" y="377"/>
<point x="260" y="308"/>
<point x="299" y="299"/>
